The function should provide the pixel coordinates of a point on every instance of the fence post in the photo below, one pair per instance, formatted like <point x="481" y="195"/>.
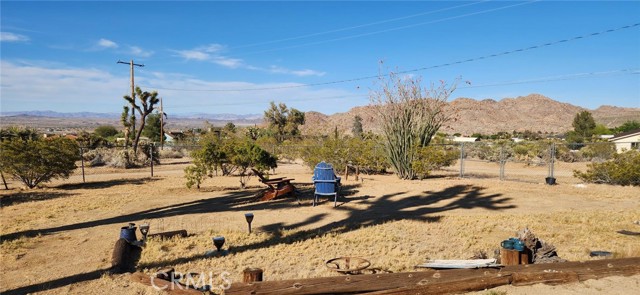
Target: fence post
<point x="4" y="181"/>
<point x="502" y="163"/>
<point x="82" y="161"/>
<point x="462" y="160"/>
<point x="151" y="153"/>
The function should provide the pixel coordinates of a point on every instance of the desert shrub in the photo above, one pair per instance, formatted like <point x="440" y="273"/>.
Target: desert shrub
<point x="35" y="161"/>
<point x="434" y="157"/>
<point x="366" y="153"/>
<point x="172" y="153"/>
<point x="623" y="169"/>
<point x="121" y="158"/>
<point x="489" y="151"/>
<point x="598" y="152"/>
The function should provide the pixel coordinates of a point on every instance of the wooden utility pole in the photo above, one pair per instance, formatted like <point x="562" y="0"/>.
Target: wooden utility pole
<point x="133" y="94"/>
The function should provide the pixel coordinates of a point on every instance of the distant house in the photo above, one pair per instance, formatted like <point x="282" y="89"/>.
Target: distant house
<point x="465" y="139"/>
<point x="627" y="141"/>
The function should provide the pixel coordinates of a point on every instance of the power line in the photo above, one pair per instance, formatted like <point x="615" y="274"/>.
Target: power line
<point x="356" y="26"/>
<point x="389" y="30"/>
<point x="538" y="46"/>
<point x="504" y="83"/>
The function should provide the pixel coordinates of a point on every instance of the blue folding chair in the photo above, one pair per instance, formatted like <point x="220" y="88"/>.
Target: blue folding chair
<point x="326" y="182"/>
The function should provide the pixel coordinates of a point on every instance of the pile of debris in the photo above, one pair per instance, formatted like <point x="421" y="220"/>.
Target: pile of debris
<point x="542" y="251"/>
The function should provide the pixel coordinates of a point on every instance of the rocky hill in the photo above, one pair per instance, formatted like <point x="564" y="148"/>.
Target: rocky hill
<point x="533" y="112"/>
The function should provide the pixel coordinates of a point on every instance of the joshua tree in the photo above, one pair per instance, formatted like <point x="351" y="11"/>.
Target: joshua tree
<point x="148" y="101"/>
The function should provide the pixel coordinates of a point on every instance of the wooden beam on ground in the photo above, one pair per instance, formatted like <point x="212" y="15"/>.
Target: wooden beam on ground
<point x="446" y="281"/>
<point x="357" y="283"/>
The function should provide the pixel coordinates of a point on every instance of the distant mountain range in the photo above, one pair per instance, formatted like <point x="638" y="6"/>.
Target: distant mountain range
<point x="533" y="112"/>
<point x="52" y="114"/>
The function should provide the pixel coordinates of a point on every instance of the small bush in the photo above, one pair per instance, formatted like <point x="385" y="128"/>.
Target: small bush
<point x="623" y="169"/>
<point x="434" y="157"/>
<point x="173" y="153"/>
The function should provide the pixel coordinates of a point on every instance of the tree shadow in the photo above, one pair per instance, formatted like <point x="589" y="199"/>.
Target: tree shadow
<point x="106" y="183"/>
<point x="232" y="201"/>
<point x="424" y="207"/>
<point x="23" y="197"/>
<point x="380" y="210"/>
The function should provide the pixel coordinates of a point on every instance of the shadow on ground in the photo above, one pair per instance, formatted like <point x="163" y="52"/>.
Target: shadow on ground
<point x="27" y="196"/>
<point x="106" y="183"/>
<point x="371" y="210"/>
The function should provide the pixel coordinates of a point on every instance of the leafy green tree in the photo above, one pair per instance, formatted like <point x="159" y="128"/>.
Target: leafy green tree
<point x="283" y="121"/>
<point x="410" y="115"/>
<point x="628" y="126"/>
<point x="18" y="132"/>
<point x="105" y="131"/>
<point x="600" y="129"/>
<point x="230" y="155"/>
<point x="584" y="124"/>
<point x="148" y="100"/>
<point x="153" y="128"/>
<point x="36" y="161"/>
<point x="357" y="126"/>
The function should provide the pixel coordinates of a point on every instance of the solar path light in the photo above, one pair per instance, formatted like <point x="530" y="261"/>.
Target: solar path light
<point x="249" y="217"/>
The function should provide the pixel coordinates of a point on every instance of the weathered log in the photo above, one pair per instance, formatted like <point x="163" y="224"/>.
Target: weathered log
<point x="165" y="274"/>
<point x="164" y="285"/>
<point x="170" y="234"/>
<point x="549" y="278"/>
<point x="445" y="281"/>
<point x="445" y="287"/>
<point x="358" y="283"/>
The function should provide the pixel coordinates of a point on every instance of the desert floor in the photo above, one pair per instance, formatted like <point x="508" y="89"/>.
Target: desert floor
<point x="59" y="239"/>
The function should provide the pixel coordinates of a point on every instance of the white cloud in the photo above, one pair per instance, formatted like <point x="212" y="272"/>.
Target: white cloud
<point x="52" y="86"/>
<point x="137" y="51"/>
<point x="11" y="37"/>
<point x="193" y="54"/>
<point x="213" y="53"/>
<point x="299" y="73"/>
<point x="105" y="43"/>
<point x="228" y="62"/>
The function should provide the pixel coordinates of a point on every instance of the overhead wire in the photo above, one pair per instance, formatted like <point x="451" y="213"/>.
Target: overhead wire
<point x="634" y="71"/>
<point x="357" y="26"/>
<point x="388" y="30"/>
<point x="462" y="61"/>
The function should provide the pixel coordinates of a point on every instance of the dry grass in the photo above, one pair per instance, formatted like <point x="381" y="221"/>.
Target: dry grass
<point x="71" y="227"/>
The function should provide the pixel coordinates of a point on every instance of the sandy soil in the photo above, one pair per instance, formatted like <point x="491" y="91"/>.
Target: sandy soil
<point x="58" y="239"/>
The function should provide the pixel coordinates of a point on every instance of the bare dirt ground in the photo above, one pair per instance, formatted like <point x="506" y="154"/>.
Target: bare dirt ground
<point x="59" y="239"/>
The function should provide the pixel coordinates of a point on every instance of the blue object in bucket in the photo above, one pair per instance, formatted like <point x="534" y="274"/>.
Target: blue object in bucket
<point x="507" y="244"/>
<point x="128" y="233"/>
<point x="518" y="245"/>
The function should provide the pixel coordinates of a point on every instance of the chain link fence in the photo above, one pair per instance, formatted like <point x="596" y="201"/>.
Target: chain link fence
<point x="534" y="162"/>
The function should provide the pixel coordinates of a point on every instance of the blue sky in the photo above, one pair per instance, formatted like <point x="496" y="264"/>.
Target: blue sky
<point x="236" y="57"/>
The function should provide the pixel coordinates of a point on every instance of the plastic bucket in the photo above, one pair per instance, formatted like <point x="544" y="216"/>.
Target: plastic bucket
<point x="550" y="180"/>
<point x="128" y="233"/>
